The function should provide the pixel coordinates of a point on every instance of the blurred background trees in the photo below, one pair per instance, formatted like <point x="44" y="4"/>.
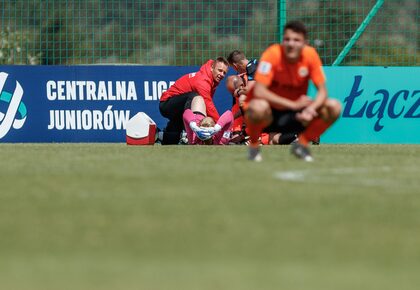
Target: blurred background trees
<point x="173" y="32"/>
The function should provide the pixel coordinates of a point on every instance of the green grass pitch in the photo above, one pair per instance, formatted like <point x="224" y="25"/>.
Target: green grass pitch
<point x="110" y="216"/>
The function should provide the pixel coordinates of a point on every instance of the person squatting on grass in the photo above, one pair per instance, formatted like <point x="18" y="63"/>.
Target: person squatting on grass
<point x="179" y="96"/>
<point x="278" y="100"/>
<point x="239" y="86"/>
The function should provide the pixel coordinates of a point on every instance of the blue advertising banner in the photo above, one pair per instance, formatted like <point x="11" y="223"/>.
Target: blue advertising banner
<point x="83" y="103"/>
<point x="381" y="105"/>
<point x="94" y="103"/>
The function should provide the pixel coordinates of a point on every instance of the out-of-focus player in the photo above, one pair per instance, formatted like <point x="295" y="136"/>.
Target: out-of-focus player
<point x="239" y="86"/>
<point x="278" y="100"/>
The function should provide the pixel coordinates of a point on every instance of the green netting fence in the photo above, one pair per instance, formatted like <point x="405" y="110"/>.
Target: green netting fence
<point x="176" y="32"/>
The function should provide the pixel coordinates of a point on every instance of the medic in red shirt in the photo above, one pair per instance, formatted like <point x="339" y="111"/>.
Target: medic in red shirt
<point x="179" y="96"/>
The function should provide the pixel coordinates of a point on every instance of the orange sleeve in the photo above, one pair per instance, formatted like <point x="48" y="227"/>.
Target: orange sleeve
<point x="315" y="67"/>
<point x="267" y="64"/>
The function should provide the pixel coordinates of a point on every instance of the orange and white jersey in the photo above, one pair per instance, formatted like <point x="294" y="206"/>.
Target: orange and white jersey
<point x="289" y="80"/>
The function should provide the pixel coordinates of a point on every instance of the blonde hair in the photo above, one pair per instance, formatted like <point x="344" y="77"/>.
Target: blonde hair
<point x="207" y="122"/>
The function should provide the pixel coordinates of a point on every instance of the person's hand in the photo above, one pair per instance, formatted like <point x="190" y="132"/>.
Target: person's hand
<point x="307" y="114"/>
<point x="210" y="130"/>
<point x="242" y="90"/>
<point x="203" y="133"/>
<point x="302" y="103"/>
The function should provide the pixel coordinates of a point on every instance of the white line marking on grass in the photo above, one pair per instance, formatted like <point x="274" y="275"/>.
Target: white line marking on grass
<point x="291" y="175"/>
<point x="318" y="175"/>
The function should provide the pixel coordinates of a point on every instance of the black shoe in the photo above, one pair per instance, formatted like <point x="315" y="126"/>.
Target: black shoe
<point x="301" y="152"/>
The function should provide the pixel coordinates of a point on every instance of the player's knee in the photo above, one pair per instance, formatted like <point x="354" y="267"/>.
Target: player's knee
<point x="334" y="108"/>
<point x="258" y="111"/>
<point x="331" y="110"/>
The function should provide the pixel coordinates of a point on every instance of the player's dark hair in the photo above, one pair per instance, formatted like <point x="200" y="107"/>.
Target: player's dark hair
<point x="296" y="26"/>
<point x="235" y="57"/>
<point x="221" y="59"/>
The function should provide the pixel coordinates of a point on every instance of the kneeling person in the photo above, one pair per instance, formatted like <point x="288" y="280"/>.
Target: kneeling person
<point x="179" y="96"/>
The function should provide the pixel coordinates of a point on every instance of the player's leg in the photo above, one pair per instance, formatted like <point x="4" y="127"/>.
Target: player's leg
<point x="197" y="105"/>
<point x="286" y="122"/>
<point x="188" y="117"/>
<point x="225" y="122"/>
<point x="173" y="110"/>
<point x="257" y="116"/>
<point x="328" y="114"/>
<point x="195" y="111"/>
<point x="172" y="132"/>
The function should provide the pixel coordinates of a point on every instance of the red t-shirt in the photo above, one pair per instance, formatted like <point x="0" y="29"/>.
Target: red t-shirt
<point x="201" y="82"/>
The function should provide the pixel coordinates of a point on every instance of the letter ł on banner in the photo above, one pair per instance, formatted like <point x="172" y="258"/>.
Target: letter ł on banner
<point x="350" y="99"/>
